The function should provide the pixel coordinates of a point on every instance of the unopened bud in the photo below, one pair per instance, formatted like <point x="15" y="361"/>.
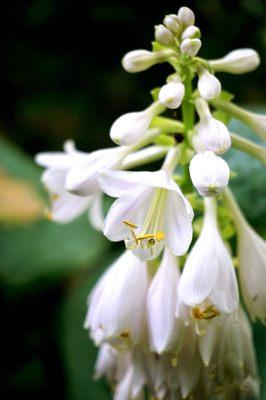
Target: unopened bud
<point x="172" y="22"/>
<point x="164" y="36"/>
<point x="237" y="62"/>
<point x="209" y="86"/>
<point x="171" y="94"/>
<point x="186" y="15"/>
<point x="191" y="32"/>
<point x="190" y="46"/>
<point x="140" y="60"/>
<point x="209" y="173"/>
<point x="212" y="133"/>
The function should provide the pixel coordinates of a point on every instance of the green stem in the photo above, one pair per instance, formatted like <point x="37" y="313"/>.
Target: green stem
<point x="245" y="145"/>
<point x="187" y="106"/>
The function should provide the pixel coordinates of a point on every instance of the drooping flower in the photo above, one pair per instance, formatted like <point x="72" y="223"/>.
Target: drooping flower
<point x="211" y="132"/>
<point x="66" y="206"/>
<point x="237" y="61"/>
<point x="208" y="274"/>
<point x="252" y="263"/>
<point x="117" y="304"/>
<point x="150" y="213"/>
<point x="171" y="94"/>
<point x="209" y="86"/>
<point x="161" y="305"/>
<point x="209" y="173"/>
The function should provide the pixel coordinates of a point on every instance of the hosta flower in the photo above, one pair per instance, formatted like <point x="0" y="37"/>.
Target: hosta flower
<point x="65" y="206"/>
<point x="191" y="32"/>
<point x="173" y="23"/>
<point x="161" y="304"/>
<point x="209" y="273"/>
<point x="237" y="61"/>
<point x="212" y="133"/>
<point x="171" y="94"/>
<point x="252" y="263"/>
<point x="190" y="46"/>
<point x="150" y="213"/>
<point x="111" y="363"/>
<point x="209" y="86"/>
<point x="209" y="173"/>
<point x="140" y="60"/>
<point x="130" y="127"/>
<point x="186" y="16"/>
<point x="164" y="36"/>
<point x="117" y="303"/>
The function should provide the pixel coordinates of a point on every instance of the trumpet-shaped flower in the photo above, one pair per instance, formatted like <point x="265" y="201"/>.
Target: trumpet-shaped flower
<point x="209" y="86"/>
<point x="161" y="304"/>
<point x="117" y="304"/>
<point x="66" y="206"/>
<point x="212" y="133"/>
<point x="237" y="61"/>
<point x="171" y="94"/>
<point x="130" y="127"/>
<point x="209" y="173"/>
<point x="209" y="273"/>
<point x="150" y="213"/>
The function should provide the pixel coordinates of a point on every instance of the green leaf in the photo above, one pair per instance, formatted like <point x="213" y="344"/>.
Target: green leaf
<point x="222" y="116"/>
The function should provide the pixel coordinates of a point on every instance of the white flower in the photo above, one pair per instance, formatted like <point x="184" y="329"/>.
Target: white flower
<point x="150" y="213"/>
<point x="208" y="85"/>
<point x="209" y="173"/>
<point x="111" y="363"/>
<point x="171" y="94"/>
<point x="212" y="133"/>
<point x="252" y="263"/>
<point x="164" y="36"/>
<point x="237" y="61"/>
<point x="82" y="178"/>
<point x="191" y="32"/>
<point x="173" y="23"/>
<point x="140" y="60"/>
<point x="130" y="127"/>
<point x="209" y="273"/>
<point x="190" y="46"/>
<point x="65" y="206"/>
<point x="117" y="304"/>
<point x="186" y="15"/>
<point x="161" y="304"/>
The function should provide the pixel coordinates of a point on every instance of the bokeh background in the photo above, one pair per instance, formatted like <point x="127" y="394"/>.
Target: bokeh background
<point x="61" y="78"/>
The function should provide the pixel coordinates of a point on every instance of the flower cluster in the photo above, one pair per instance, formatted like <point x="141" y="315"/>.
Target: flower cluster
<point x="169" y="323"/>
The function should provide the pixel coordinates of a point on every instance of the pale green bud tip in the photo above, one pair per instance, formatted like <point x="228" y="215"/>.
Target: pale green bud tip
<point x="190" y="46"/>
<point x="164" y="36"/>
<point x="186" y="15"/>
<point x="191" y="32"/>
<point x="172" y="22"/>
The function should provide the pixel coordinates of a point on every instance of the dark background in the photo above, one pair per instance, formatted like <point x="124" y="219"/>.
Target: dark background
<point x="60" y="78"/>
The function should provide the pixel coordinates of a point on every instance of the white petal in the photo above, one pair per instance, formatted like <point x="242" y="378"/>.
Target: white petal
<point x="60" y="160"/>
<point x="161" y="303"/>
<point x="178" y="215"/>
<point x="96" y="216"/>
<point x="68" y="207"/>
<point x="54" y="180"/>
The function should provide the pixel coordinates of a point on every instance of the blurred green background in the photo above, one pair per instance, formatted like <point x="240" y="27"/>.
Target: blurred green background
<point x="61" y="78"/>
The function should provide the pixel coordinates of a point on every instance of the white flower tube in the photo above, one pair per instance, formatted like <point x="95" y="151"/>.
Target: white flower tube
<point x="209" y="86"/>
<point x="237" y="61"/>
<point x="117" y="304"/>
<point x="209" y="173"/>
<point x="140" y="60"/>
<point x="186" y="16"/>
<point x="252" y="262"/>
<point x="161" y="304"/>
<point x="130" y="127"/>
<point x="212" y="133"/>
<point x="150" y="213"/>
<point x="209" y="273"/>
<point x="190" y="47"/>
<point x="171" y="94"/>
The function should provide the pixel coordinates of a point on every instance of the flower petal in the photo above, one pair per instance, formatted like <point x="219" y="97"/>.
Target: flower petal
<point x="68" y="207"/>
<point x="96" y="216"/>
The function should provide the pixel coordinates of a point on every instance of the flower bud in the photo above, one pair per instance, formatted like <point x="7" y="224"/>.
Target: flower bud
<point x="209" y="173"/>
<point x="191" y="32"/>
<point x="209" y="86"/>
<point x="164" y="36"/>
<point x="171" y="94"/>
<point x="237" y="62"/>
<point x="172" y="22"/>
<point x="190" y="46"/>
<point x="212" y="133"/>
<point x="140" y="60"/>
<point x="130" y="127"/>
<point x="186" y="16"/>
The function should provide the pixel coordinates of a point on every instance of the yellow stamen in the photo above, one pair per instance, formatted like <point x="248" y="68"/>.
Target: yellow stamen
<point x="131" y="224"/>
<point x="209" y="313"/>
